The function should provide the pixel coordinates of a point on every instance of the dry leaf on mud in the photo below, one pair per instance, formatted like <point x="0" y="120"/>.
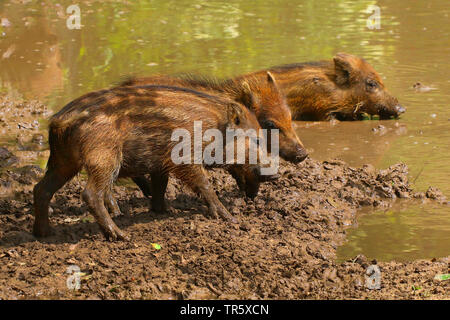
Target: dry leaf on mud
<point x="12" y="253"/>
<point x="332" y="202"/>
<point x="114" y="288"/>
<point x="84" y="276"/>
<point x="4" y="22"/>
<point x="156" y="246"/>
<point x="442" y="277"/>
<point x="88" y="219"/>
<point x="9" y="51"/>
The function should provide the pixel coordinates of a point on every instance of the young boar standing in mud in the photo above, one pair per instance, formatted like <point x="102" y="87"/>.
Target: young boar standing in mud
<point x="126" y="132"/>
<point x="261" y="95"/>
<point x="343" y="88"/>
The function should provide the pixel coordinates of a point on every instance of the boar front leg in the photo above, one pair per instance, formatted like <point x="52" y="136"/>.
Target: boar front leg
<point x="195" y="177"/>
<point x="144" y="185"/>
<point x="159" y="187"/>
<point x="55" y="177"/>
<point x="156" y="189"/>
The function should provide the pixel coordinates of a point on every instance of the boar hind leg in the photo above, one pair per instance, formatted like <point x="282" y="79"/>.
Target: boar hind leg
<point x="94" y="196"/>
<point x="196" y="178"/>
<point x="159" y="186"/>
<point x="54" y="179"/>
<point x="101" y="174"/>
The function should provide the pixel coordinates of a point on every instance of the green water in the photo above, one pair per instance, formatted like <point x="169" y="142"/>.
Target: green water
<point x="401" y="233"/>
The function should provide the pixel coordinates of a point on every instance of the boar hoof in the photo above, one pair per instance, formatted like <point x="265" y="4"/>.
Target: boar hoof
<point x="159" y="208"/>
<point x="225" y="215"/>
<point x="42" y="230"/>
<point x="233" y="220"/>
<point x="212" y="214"/>
<point x="116" y="235"/>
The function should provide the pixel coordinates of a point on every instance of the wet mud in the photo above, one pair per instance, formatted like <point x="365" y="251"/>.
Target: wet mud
<point x="284" y="246"/>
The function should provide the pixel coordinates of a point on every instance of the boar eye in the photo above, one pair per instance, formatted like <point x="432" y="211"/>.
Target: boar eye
<point x="237" y="121"/>
<point x="270" y="125"/>
<point x="371" y="85"/>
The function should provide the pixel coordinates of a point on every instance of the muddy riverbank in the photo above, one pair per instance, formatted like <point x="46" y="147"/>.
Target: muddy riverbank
<point x="284" y="247"/>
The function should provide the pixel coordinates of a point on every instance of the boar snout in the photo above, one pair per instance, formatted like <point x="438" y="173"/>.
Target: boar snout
<point x="301" y="155"/>
<point x="393" y="112"/>
<point x="253" y="181"/>
<point x="400" y="109"/>
<point x="247" y="179"/>
<point x="295" y="154"/>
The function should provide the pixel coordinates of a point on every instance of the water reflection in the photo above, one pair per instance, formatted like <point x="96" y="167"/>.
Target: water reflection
<point x="402" y="233"/>
<point x="31" y="59"/>
<point x="356" y="143"/>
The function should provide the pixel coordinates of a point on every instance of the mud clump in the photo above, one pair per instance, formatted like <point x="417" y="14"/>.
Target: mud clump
<point x="7" y="158"/>
<point x="435" y="194"/>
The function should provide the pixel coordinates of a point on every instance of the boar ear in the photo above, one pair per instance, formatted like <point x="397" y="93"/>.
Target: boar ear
<point x="235" y="114"/>
<point x="343" y="68"/>
<point x="270" y="78"/>
<point x="246" y="96"/>
<point x="246" y="87"/>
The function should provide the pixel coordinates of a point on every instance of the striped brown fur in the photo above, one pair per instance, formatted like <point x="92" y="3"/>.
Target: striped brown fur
<point x="126" y="132"/>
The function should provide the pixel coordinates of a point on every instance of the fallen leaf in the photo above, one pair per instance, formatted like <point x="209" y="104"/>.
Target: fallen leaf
<point x="72" y="247"/>
<point x="9" y="51"/>
<point x="442" y="277"/>
<point x="87" y="277"/>
<point x="156" y="246"/>
<point x="68" y="220"/>
<point x="5" y="22"/>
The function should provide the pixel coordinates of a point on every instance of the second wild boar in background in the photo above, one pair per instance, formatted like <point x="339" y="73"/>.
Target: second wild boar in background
<point x="261" y="95"/>
<point x="344" y="88"/>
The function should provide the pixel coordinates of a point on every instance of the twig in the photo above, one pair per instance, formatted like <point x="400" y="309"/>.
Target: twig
<point x="214" y="290"/>
<point x="420" y="172"/>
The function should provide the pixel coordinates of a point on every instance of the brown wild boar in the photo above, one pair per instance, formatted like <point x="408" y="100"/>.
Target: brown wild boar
<point x="126" y="132"/>
<point x="343" y="88"/>
<point x="259" y="94"/>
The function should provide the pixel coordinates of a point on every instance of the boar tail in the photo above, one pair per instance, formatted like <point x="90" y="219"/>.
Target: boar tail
<point x="56" y="137"/>
<point x="59" y="132"/>
<point x="53" y="149"/>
